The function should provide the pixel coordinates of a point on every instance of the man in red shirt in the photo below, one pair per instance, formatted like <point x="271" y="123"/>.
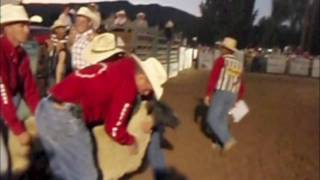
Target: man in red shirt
<point x="106" y="91"/>
<point x="15" y="74"/>
<point x="224" y="88"/>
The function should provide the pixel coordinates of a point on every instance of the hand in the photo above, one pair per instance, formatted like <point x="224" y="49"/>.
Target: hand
<point x="24" y="138"/>
<point x="207" y="100"/>
<point x="133" y="148"/>
<point x="59" y="106"/>
<point x="59" y="46"/>
<point x="147" y="127"/>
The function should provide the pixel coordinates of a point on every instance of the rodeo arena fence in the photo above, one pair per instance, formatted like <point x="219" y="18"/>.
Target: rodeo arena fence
<point x="176" y="57"/>
<point x="153" y="43"/>
<point x="273" y="63"/>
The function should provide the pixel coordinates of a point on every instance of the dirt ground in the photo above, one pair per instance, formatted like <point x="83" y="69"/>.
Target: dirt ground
<point x="278" y="140"/>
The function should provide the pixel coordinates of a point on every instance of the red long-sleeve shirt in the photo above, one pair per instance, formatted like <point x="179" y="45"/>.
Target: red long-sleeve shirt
<point x="15" y="77"/>
<point x="106" y="92"/>
<point x="226" y="75"/>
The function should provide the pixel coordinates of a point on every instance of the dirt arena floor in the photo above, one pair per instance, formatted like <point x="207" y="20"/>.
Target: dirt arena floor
<point x="278" y="140"/>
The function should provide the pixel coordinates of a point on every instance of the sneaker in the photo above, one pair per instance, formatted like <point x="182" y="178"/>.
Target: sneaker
<point x="229" y="145"/>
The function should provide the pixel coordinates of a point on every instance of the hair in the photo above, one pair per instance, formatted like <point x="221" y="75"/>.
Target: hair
<point x="228" y="50"/>
<point x="139" y="70"/>
<point x="1" y="29"/>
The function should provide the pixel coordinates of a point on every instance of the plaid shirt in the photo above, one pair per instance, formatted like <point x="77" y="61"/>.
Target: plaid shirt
<point x="81" y="42"/>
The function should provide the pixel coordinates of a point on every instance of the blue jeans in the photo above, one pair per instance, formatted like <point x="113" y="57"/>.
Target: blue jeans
<point x="67" y="142"/>
<point x="217" y="119"/>
<point x="156" y="157"/>
<point x="155" y="154"/>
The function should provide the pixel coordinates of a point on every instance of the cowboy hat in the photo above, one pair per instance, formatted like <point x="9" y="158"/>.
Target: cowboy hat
<point x="58" y="23"/>
<point x="155" y="72"/>
<point x="229" y="43"/>
<point x="121" y="12"/>
<point x="100" y="48"/>
<point x="141" y="14"/>
<point x="93" y="16"/>
<point x="10" y="13"/>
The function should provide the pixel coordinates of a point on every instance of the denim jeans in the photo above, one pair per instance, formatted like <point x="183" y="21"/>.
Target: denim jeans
<point x="155" y="154"/>
<point x="67" y="142"/>
<point x="218" y="113"/>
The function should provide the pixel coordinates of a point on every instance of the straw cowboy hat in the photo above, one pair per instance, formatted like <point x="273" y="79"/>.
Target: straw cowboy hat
<point x="10" y="13"/>
<point x="59" y="23"/>
<point x="141" y="14"/>
<point x="100" y="48"/>
<point x="155" y="72"/>
<point x="169" y="24"/>
<point x="121" y="12"/>
<point x="229" y="43"/>
<point x="93" y="16"/>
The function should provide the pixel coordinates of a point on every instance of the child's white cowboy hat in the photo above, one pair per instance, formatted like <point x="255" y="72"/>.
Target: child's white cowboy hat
<point x="59" y="23"/>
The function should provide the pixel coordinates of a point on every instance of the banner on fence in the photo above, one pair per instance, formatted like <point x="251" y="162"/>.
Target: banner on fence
<point x="316" y="68"/>
<point x="277" y="64"/>
<point x="299" y="66"/>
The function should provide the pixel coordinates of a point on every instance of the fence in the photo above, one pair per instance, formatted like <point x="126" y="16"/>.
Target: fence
<point x="277" y="64"/>
<point x="153" y="43"/>
<point x="316" y="68"/>
<point x="274" y="63"/>
<point x="299" y="66"/>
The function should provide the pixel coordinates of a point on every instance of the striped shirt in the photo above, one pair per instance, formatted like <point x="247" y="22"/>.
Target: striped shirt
<point x="230" y="75"/>
<point x="81" y="42"/>
<point x="227" y="75"/>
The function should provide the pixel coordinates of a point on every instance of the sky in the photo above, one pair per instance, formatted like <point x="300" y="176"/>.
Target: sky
<point x="191" y="6"/>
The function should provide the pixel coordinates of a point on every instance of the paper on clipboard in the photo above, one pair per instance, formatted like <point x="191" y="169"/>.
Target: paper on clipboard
<point x="239" y="111"/>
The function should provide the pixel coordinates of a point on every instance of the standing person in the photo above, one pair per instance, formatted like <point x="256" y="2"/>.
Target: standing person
<point x="168" y="30"/>
<point x="65" y="16"/>
<point x="121" y="22"/>
<point x="224" y="88"/>
<point x="15" y="73"/>
<point x="140" y="24"/>
<point x="85" y="22"/>
<point x="59" y="56"/>
<point x="106" y="91"/>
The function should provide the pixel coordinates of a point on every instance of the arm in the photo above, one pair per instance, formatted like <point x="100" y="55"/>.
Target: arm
<point x="60" y="69"/>
<point x="122" y="105"/>
<point x="241" y="90"/>
<point x="8" y="110"/>
<point x="30" y="90"/>
<point x="214" y="76"/>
